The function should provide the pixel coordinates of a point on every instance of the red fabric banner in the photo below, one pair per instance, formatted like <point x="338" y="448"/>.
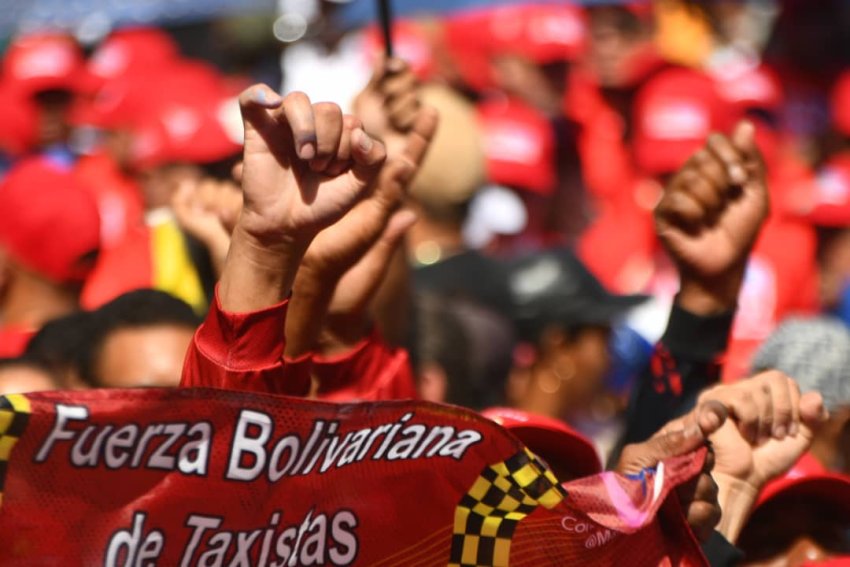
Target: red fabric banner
<point x="219" y="478"/>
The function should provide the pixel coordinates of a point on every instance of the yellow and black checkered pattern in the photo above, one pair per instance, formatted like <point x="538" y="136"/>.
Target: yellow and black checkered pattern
<point x="500" y="498"/>
<point x="14" y="416"/>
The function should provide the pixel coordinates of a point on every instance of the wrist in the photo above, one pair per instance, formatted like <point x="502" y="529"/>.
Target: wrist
<point x="736" y="498"/>
<point x="342" y="333"/>
<point x="258" y="272"/>
<point x="702" y="296"/>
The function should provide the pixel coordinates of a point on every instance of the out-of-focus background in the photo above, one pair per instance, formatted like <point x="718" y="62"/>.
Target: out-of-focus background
<point x="561" y="122"/>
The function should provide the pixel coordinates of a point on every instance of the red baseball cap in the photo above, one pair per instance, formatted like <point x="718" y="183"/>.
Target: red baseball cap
<point x="543" y="33"/>
<point x="410" y="42"/>
<point x="674" y="113"/>
<point x="841" y="103"/>
<point x="808" y="477"/>
<point x="825" y="200"/>
<point x="132" y="51"/>
<point x="46" y="61"/>
<point x="519" y="145"/>
<point x="195" y="120"/>
<point x="18" y="117"/>
<point x="749" y="87"/>
<point x="550" y="439"/>
<point x="48" y="222"/>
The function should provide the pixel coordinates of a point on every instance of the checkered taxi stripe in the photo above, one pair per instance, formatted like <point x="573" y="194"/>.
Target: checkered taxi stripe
<point x="14" y="415"/>
<point x="487" y="516"/>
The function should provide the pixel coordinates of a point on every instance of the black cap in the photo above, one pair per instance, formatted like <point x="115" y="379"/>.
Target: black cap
<point x="555" y="287"/>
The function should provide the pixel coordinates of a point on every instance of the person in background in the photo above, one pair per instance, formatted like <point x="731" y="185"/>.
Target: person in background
<point x="564" y="317"/>
<point x="800" y="518"/>
<point x="46" y="72"/>
<point x="461" y="352"/>
<point x="180" y="136"/>
<point x="58" y="345"/>
<point x="49" y="241"/>
<point x="110" y="111"/>
<point x="708" y="220"/>
<point x="817" y="353"/>
<point x="22" y="375"/>
<point x="138" y="340"/>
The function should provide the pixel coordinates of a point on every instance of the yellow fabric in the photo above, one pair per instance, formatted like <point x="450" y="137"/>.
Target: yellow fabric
<point x="173" y="270"/>
<point x="683" y="34"/>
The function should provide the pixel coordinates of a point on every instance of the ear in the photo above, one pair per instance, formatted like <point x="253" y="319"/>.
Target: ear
<point x="433" y="383"/>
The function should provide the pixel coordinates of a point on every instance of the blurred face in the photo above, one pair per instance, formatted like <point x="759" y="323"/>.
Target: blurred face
<point x="20" y="379"/>
<point x="793" y="531"/>
<point x="589" y="351"/>
<point x="53" y="127"/>
<point x="146" y="357"/>
<point x="616" y="38"/>
<point x="160" y="183"/>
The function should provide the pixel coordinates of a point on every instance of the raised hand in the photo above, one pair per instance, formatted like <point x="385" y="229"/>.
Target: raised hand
<point x="340" y="247"/>
<point x="304" y="167"/>
<point x="712" y="210"/>
<point x="698" y="497"/>
<point x="771" y="425"/>
<point x="207" y="209"/>
<point x="389" y="104"/>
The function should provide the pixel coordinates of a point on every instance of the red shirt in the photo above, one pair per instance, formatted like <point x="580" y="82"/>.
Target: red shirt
<point x="244" y="351"/>
<point x="13" y="341"/>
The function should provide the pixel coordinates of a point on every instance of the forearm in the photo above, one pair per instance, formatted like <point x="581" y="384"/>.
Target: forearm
<point x="736" y="499"/>
<point x="311" y="299"/>
<point x="685" y="361"/>
<point x="711" y="297"/>
<point x="257" y="274"/>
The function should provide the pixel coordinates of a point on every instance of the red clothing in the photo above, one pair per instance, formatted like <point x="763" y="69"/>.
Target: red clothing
<point x="372" y="370"/>
<point x="244" y="351"/>
<point x="14" y="340"/>
<point x="119" y="199"/>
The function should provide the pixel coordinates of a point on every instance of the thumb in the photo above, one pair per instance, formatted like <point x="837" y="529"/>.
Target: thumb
<point x="688" y="433"/>
<point x="744" y="139"/>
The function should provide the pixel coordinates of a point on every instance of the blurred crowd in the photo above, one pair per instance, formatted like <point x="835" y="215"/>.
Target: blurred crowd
<point x="586" y="246"/>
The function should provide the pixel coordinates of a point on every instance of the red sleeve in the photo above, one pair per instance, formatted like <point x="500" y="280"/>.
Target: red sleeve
<point x="370" y="371"/>
<point x="244" y="351"/>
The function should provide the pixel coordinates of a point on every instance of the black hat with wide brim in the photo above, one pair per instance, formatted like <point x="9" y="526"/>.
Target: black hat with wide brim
<point x="555" y="288"/>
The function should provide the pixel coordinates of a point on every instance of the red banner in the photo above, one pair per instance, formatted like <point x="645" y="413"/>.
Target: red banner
<point x="219" y="478"/>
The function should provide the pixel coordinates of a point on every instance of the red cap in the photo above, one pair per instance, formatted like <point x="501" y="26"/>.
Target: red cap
<point x="19" y="118"/>
<point x="750" y="88"/>
<point x="674" y="113"/>
<point x="195" y="120"/>
<point x="543" y="33"/>
<point x="467" y="38"/>
<point x="410" y="42"/>
<point x="130" y="51"/>
<point x="843" y="561"/>
<point x="519" y="146"/>
<point x="825" y="200"/>
<point x="808" y="477"/>
<point x="841" y="103"/>
<point x="41" y="62"/>
<point x="550" y="439"/>
<point x="48" y="222"/>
